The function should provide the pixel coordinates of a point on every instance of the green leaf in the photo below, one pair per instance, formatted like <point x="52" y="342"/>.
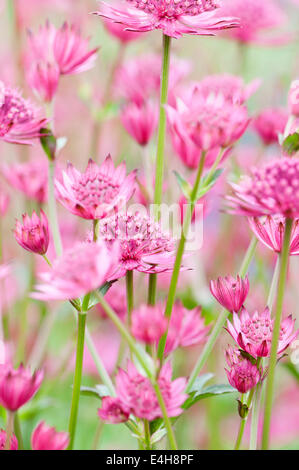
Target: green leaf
<point x="99" y="391"/>
<point x="211" y="391"/>
<point x="200" y="382"/>
<point x="158" y="435"/>
<point x="102" y="290"/>
<point x="184" y="185"/>
<point x="207" y="183"/>
<point x="48" y="143"/>
<point x="290" y="145"/>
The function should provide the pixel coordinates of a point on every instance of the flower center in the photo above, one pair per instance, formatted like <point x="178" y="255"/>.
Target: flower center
<point x="13" y="110"/>
<point x="95" y="189"/>
<point x="258" y="330"/>
<point x="174" y="8"/>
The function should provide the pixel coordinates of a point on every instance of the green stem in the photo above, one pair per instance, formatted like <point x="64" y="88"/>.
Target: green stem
<point x="9" y="429"/>
<point x="47" y="260"/>
<point x="167" y="422"/>
<point x="220" y="321"/>
<point x="18" y="432"/>
<point x="147" y="434"/>
<point x="152" y="289"/>
<point x="276" y="331"/>
<point x="162" y="125"/>
<point x="130" y="295"/>
<point x="77" y="378"/>
<point x="96" y="223"/>
<point x="179" y="254"/>
<point x="53" y="211"/>
<point x="244" y="421"/>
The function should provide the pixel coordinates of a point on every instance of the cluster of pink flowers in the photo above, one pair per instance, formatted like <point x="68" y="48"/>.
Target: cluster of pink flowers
<point x="136" y="395"/>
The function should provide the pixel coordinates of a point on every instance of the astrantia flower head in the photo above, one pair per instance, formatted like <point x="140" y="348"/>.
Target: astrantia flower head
<point x="270" y="232"/>
<point x="255" y="19"/>
<point x="137" y="393"/>
<point x="17" y="386"/>
<point x="143" y="245"/>
<point x="33" y="234"/>
<point x="174" y="17"/>
<point x="113" y="410"/>
<point x="254" y="333"/>
<point x="30" y="178"/>
<point x="202" y="123"/>
<point x="243" y="374"/>
<point x="230" y="292"/>
<point x="98" y="191"/>
<point x="140" y="121"/>
<point x="20" y="121"/>
<point x="272" y="189"/>
<point x="149" y="323"/>
<point x="45" y="437"/>
<point x="80" y="270"/>
<point x="3" y="438"/>
<point x="270" y="123"/>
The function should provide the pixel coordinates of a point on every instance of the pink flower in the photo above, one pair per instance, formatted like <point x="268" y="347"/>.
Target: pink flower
<point x="46" y="438"/>
<point x="255" y="19"/>
<point x="119" y="32"/>
<point x="4" y="202"/>
<point x="80" y="270"/>
<point x="293" y="98"/>
<point x="271" y="231"/>
<point x="17" y="386"/>
<point x="202" y="123"/>
<point x="243" y="375"/>
<point x="113" y="410"/>
<point x="98" y="191"/>
<point x="31" y="178"/>
<point x="54" y="52"/>
<point x="143" y="245"/>
<point x="149" y="323"/>
<point x="186" y="328"/>
<point x="230" y="292"/>
<point x="20" y="121"/>
<point x="3" y="438"/>
<point x="116" y="298"/>
<point x="272" y="189"/>
<point x="231" y="87"/>
<point x="174" y="17"/>
<point x="140" y="121"/>
<point x="269" y="124"/>
<point x="33" y="234"/>
<point x="254" y="333"/>
<point x="137" y="393"/>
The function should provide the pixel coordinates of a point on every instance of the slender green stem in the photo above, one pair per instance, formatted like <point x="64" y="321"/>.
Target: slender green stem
<point x="244" y="421"/>
<point x="147" y="434"/>
<point x="162" y="125"/>
<point x="220" y="321"/>
<point x="18" y="432"/>
<point x="152" y="289"/>
<point x="276" y="331"/>
<point x="96" y="223"/>
<point x="53" y="211"/>
<point x="167" y="422"/>
<point x="77" y="378"/>
<point x="47" y="260"/>
<point x="180" y="253"/>
<point x="130" y="296"/>
<point x="9" y="429"/>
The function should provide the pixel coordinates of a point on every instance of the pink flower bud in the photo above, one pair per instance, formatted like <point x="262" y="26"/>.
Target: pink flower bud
<point x="17" y="386"/>
<point x="230" y="292"/>
<point x="46" y="438"/>
<point x="113" y="411"/>
<point x="33" y="234"/>
<point x="243" y="375"/>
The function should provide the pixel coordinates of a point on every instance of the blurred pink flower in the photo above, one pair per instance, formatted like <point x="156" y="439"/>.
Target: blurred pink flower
<point x="202" y="123"/>
<point x="272" y="189"/>
<point x="80" y="270"/>
<point x="137" y="393"/>
<point x="20" y="121"/>
<point x="45" y="437"/>
<point x="148" y="323"/>
<point x="31" y="178"/>
<point x="143" y="245"/>
<point x="255" y="18"/>
<point x="140" y="121"/>
<point x="53" y="52"/>
<point x="116" y="298"/>
<point x="231" y="293"/>
<point x="3" y="438"/>
<point x="293" y="98"/>
<point x="271" y="231"/>
<point x="254" y="333"/>
<point x="4" y="202"/>
<point x="10" y="290"/>
<point x="119" y="32"/>
<point x="186" y="328"/>
<point x="243" y="375"/>
<point x="174" y="17"/>
<point x="98" y="191"/>
<point x="33" y="233"/>
<point x="113" y="410"/>
<point x="18" y="386"/>
<point x="270" y="123"/>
